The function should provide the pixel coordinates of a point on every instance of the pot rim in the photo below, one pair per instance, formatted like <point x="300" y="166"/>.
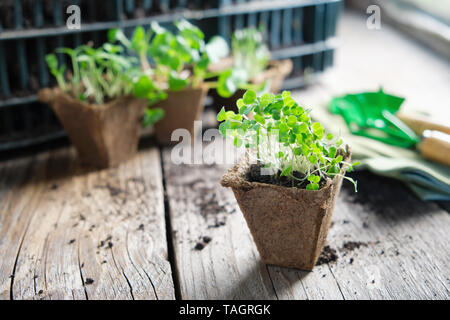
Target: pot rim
<point x="47" y="95"/>
<point x="235" y="178"/>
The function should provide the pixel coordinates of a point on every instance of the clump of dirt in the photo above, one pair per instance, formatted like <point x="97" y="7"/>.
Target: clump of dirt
<point x="71" y="241"/>
<point x="199" y="246"/>
<point x="352" y="245"/>
<point x="204" y="240"/>
<point x="327" y="255"/>
<point x="89" y="281"/>
<point x="209" y="205"/>
<point x="113" y="191"/>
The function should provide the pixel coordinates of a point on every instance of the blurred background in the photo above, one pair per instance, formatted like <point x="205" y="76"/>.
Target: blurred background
<point x="333" y="43"/>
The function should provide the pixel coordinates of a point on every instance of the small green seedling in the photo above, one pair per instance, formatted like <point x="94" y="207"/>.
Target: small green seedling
<point x="98" y="75"/>
<point x="283" y="137"/>
<point x="250" y="53"/>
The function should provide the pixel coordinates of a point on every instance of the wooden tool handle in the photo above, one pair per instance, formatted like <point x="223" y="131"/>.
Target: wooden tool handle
<point x="435" y="146"/>
<point x="420" y="123"/>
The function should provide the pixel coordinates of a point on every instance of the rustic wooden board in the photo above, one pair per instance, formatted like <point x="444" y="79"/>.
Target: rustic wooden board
<point x="17" y="195"/>
<point x="385" y="242"/>
<point x="88" y="234"/>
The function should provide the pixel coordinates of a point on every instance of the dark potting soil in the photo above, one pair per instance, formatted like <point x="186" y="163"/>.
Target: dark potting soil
<point x="327" y="255"/>
<point x="254" y="175"/>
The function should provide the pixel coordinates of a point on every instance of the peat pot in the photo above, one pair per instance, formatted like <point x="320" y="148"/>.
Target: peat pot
<point x="181" y="109"/>
<point x="103" y="135"/>
<point x="288" y="225"/>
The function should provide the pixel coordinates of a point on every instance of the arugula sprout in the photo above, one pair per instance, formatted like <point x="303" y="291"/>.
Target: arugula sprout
<point x="249" y="51"/>
<point x="104" y="73"/>
<point x="283" y="137"/>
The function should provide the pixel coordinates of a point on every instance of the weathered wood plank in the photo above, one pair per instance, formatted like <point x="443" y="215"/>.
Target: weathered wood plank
<point x="228" y="266"/>
<point x="96" y="234"/>
<point x="17" y="195"/>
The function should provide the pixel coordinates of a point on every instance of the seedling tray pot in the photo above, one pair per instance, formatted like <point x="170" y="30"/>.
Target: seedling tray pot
<point x="277" y="71"/>
<point x="288" y="225"/>
<point x="103" y="135"/>
<point x="181" y="109"/>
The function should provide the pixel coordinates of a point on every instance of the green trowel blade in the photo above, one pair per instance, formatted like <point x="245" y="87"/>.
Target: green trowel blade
<point x="372" y="114"/>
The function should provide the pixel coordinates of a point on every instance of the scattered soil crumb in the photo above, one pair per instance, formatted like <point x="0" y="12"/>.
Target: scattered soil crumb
<point x="207" y="239"/>
<point x="54" y="186"/>
<point x="365" y="225"/>
<point x="82" y="218"/>
<point x="89" y="281"/>
<point x="110" y="244"/>
<point x="328" y="255"/>
<point x="345" y="221"/>
<point x="41" y="292"/>
<point x="71" y="241"/>
<point x="199" y="246"/>
<point x="350" y="261"/>
<point x="104" y="261"/>
<point x="113" y="191"/>
<point x="141" y="227"/>
<point x="352" y="245"/>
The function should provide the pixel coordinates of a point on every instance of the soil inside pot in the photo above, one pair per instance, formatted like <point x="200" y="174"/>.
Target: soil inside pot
<point x="254" y="175"/>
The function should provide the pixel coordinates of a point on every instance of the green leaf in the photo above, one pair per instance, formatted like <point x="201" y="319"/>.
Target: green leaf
<point x="286" y="172"/>
<point x="177" y="83"/>
<point x="312" y="159"/>
<point x="230" y="80"/>
<point x="151" y="116"/>
<point x="223" y="127"/>
<point x="332" y="152"/>
<point x="292" y="121"/>
<point x="237" y="142"/>
<point x="312" y="186"/>
<point x="138" y="41"/>
<point x="260" y="119"/>
<point x="330" y="136"/>
<point x="143" y="87"/>
<point x="280" y="154"/>
<point x="249" y="97"/>
<point x="221" y="116"/>
<point x="314" y="178"/>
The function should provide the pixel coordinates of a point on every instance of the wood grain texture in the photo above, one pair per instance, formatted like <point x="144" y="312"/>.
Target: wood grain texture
<point x="227" y="267"/>
<point x="91" y="234"/>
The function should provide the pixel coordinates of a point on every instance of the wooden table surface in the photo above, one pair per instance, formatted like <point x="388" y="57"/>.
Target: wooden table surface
<point x="151" y="229"/>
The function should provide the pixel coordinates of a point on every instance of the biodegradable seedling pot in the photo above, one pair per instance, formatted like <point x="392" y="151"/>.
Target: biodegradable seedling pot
<point x="181" y="109"/>
<point x="288" y="225"/>
<point x="103" y="135"/>
<point x="276" y="72"/>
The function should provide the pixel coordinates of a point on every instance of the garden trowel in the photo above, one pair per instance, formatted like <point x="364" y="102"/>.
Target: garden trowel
<point x="375" y="115"/>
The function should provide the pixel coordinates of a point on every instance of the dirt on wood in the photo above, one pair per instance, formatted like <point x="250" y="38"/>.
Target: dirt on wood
<point x="327" y="255"/>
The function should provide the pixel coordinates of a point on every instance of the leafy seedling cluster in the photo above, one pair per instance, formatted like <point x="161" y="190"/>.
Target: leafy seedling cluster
<point x="250" y="53"/>
<point x="99" y="75"/>
<point x="177" y="60"/>
<point x="281" y="136"/>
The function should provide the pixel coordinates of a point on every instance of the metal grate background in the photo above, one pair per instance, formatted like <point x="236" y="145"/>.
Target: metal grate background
<point x="302" y="30"/>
